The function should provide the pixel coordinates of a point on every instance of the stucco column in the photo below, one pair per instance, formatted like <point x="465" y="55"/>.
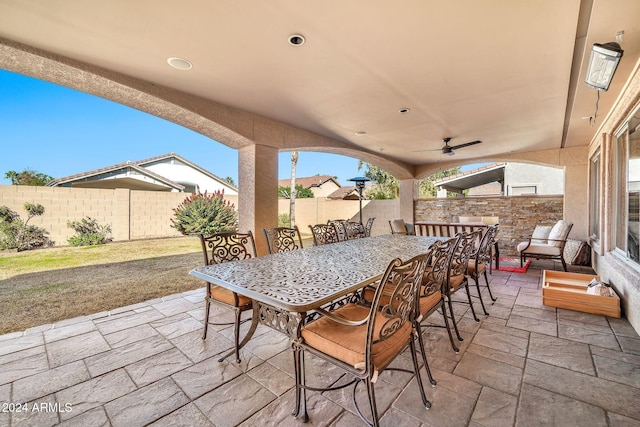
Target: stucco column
<point x="408" y="195"/>
<point x="576" y="191"/>
<point x="258" y="191"/>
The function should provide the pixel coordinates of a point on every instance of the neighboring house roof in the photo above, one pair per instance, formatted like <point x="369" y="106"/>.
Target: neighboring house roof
<point x="473" y="178"/>
<point x="123" y="171"/>
<point x="309" y="182"/>
<point x="189" y="163"/>
<point x="345" y="193"/>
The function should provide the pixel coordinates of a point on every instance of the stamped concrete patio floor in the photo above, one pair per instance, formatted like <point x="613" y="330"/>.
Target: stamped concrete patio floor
<point x="525" y="364"/>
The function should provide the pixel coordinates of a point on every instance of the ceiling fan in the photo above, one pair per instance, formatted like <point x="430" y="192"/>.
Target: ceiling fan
<point x="448" y="149"/>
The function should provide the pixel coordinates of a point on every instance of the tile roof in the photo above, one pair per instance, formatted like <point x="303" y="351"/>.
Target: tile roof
<point x="310" y="181"/>
<point x="139" y="167"/>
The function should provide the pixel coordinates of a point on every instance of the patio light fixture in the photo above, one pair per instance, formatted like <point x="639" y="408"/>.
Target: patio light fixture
<point x="179" y="63"/>
<point x="602" y="65"/>
<point x="360" y="180"/>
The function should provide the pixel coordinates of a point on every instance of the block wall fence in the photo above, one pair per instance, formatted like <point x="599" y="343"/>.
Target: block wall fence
<point x="132" y="214"/>
<point x="137" y="215"/>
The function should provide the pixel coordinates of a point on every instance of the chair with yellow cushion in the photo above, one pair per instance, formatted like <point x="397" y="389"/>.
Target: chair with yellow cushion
<point x="364" y="340"/>
<point x="219" y="248"/>
<point x="479" y="261"/>
<point x="457" y="274"/>
<point x="431" y="293"/>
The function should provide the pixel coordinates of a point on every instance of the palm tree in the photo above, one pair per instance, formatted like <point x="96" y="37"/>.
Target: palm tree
<point x="292" y="199"/>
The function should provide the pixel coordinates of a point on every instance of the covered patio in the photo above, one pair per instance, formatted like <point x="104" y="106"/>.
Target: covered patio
<point x="525" y="364"/>
<point x="386" y="84"/>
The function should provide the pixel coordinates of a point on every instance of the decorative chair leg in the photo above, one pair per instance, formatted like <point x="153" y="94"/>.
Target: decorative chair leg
<point x="477" y="280"/>
<point x="453" y="319"/>
<point x="207" y="306"/>
<point x="424" y="356"/>
<point x="372" y="402"/>
<point x="446" y="324"/>
<point x="416" y="371"/>
<point x="486" y="279"/>
<point x="473" y="311"/>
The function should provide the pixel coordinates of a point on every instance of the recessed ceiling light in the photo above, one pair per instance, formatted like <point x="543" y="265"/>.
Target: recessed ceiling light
<point x="404" y="110"/>
<point x="360" y="133"/>
<point x="296" y="40"/>
<point x="179" y="63"/>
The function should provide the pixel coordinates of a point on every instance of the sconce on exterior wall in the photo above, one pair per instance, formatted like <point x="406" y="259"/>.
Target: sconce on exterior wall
<point x="602" y="65"/>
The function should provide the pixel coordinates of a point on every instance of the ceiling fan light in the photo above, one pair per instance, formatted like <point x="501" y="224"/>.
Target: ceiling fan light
<point x="602" y="65"/>
<point x="448" y="151"/>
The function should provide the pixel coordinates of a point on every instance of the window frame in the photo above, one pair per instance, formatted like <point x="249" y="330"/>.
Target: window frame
<point x="621" y="163"/>
<point x="595" y="205"/>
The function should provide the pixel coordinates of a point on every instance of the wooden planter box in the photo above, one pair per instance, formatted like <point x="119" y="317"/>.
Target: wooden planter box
<point x="569" y="290"/>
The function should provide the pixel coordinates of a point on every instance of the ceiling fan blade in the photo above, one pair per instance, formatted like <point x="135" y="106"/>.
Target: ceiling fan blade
<point x="455" y="147"/>
<point x="421" y="151"/>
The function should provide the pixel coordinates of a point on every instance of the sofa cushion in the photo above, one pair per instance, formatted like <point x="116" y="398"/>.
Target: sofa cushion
<point x="541" y="249"/>
<point x="347" y="343"/>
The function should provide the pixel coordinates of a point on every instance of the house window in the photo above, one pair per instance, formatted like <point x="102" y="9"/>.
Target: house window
<point x="594" y="197"/>
<point x="627" y="161"/>
<point x="523" y="190"/>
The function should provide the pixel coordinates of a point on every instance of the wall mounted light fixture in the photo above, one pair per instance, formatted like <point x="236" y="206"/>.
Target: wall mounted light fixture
<point x="602" y="65"/>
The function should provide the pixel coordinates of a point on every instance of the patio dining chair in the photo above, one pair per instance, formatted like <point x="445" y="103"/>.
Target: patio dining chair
<point x="354" y="230"/>
<point x="340" y="228"/>
<point x="479" y="261"/>
<point x="432" y="293"/>
<point x="457" y="274"/>
<point x="219" y="248"/>
<point x="323" y="234"/>
<point x="364" y="340"/>
<point x="282" y="239"/>
<point x="398" y="226"/>
<point x="368" y="226"/>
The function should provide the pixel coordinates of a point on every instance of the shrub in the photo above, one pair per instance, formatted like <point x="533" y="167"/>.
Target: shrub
<point x="205" y="214"/>
<point x="284" y="220"/>
<point x="89" y="232"/>
<point x="16" y="234"/>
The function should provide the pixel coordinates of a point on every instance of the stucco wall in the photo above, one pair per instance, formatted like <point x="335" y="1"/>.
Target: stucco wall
<point x="319" y="210"/>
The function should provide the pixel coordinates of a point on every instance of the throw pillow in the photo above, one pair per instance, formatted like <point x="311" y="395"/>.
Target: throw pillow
<point x="541" y="234"/>
<point x="559" y="232"/>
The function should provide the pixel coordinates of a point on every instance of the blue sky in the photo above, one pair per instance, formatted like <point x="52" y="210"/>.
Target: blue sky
<point x="59" y="131"/>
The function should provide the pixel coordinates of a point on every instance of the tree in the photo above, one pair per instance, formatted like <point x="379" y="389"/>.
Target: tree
<point x="230" y="180"/>
<point x="428" y="189"/>
<point x="387" y="186"/>
<point x="301" y="192"/>
<point x="28" y="177"/>
<point x="293" y="189"/>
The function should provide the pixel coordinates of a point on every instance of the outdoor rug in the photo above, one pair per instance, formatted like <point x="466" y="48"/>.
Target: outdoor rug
<point x="512" y="265"/>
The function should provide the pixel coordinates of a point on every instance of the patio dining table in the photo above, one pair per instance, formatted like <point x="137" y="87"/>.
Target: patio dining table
<point x="285" y="287"/>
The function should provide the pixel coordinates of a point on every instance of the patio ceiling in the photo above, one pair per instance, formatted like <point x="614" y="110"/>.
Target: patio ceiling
<point x="509" y="73"/>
